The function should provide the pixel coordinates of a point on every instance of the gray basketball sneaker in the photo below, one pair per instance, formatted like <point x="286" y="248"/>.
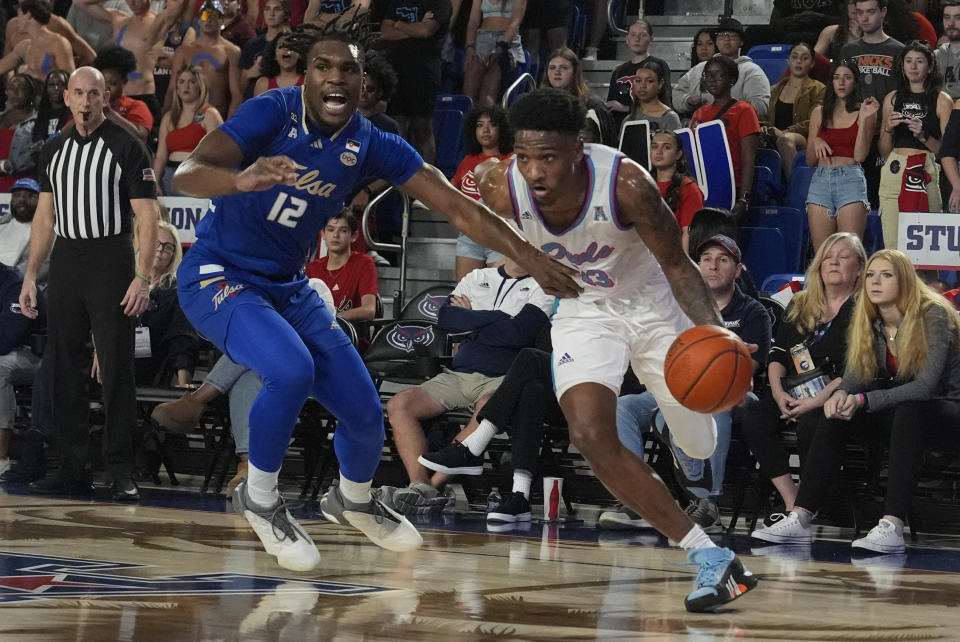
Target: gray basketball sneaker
<point x="279" y="532"/>
<point x="384" y="526"/>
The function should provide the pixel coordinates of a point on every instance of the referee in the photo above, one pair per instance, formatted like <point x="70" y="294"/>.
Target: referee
<point x="94" y="178"/>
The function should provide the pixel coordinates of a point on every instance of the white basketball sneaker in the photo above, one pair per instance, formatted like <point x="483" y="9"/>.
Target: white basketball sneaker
<point x="384" y="526"/>
<point x="279" y="532"/>
<point x="882" y="538"/>
<point x="785" y="531"/>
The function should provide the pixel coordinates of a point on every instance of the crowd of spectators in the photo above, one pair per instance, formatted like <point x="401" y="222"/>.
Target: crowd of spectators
<point x="867" y="95"/>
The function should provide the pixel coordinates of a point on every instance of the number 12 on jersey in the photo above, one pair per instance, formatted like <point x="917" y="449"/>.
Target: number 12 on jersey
<point x="287" y="216"/>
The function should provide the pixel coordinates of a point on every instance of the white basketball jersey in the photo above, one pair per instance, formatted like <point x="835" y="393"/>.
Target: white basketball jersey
<point x="613" y="261"/>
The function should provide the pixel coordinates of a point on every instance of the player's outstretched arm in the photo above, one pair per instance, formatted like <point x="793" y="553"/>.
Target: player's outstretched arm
<point x="211" y="170"/>
<point x="638" y="201"/>
<point x="486" y="228"/>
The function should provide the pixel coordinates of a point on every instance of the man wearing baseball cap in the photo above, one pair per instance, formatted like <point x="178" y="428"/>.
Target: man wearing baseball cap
<point x="752" y="85"/>
<point x="15" y="223"/>
<point x="721" y="262"/>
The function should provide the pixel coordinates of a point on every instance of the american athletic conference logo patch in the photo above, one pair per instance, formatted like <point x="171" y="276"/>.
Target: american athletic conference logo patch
<point x="405" y="337"/>
<point x="429" y="306"/>
<point x="25" y="578"/>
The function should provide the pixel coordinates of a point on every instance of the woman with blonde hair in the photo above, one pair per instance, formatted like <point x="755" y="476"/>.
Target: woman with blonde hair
<point x="805" y="361"/>
<point x="174" y="344"/>
<point x="564" y="72"/>
<point x="902" y="365"/>
<point x="190" y="119"/>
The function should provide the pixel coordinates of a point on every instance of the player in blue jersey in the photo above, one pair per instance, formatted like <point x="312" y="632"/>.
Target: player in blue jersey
<point x="277" y="171"/>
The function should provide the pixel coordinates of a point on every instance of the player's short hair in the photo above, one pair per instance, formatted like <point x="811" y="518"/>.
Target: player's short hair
<point x="377" y="67"/>
<point x="116" y="58"/>
<point x="355" y="31"/>
<point x="548" y="109"/>
<point x="39" y="10"/>
<point x="347" y="217"/>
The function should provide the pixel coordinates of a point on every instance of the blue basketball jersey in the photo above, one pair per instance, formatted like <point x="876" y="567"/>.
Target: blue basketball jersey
<point x="271" y="232"/>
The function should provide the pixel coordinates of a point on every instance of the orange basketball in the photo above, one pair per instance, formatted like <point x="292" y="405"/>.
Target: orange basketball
<point x="708" y="369"/>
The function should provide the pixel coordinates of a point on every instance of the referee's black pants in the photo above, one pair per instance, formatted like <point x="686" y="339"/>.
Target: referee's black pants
<point x="88" y="279"/>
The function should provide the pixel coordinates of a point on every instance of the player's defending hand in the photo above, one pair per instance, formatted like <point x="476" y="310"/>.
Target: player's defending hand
<point x="267" y="172"/>
<point x="554" y="277"/>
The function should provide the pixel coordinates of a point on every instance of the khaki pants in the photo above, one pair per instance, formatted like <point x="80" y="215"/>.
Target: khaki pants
<point x="891" y="183"/>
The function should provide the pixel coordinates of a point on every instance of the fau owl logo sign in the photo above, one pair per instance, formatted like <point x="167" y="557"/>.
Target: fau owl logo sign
<point x="408" y="337"/>
<point x="25" y="578"/>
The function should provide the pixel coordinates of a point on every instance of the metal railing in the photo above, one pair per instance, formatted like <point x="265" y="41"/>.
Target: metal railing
<point x="400" y="294"/>
<point x="524" y="78"/>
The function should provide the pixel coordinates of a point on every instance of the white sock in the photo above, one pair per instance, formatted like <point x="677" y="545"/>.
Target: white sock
<point x="696" y="538"/>
<point x="262" y="486"/>
<point x="354" y="492"/>
<point x="521" y="482"/>
<point x="477" y="441"/>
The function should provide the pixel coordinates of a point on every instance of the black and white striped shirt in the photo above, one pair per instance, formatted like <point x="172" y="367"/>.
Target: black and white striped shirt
<point x="93" y="179"/>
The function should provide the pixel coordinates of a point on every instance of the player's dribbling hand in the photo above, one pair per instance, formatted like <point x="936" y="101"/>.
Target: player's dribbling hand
<point x="554" y="277"/>
<point x="266" y="172"/>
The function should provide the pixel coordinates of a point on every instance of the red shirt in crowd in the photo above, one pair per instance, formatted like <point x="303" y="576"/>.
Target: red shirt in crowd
<point x="349" y="283"/>
<point x="136" y="111"/>
<point x="691" y="199"/>
<point x="463" y="179"/>
<point x="741" y="121"/>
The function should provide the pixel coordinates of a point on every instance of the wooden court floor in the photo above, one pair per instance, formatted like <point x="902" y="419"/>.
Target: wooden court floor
<point x="178" y="567"/>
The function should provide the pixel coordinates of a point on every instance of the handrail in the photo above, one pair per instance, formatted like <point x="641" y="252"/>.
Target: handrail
<point x="524" y="77"/>
<point x="612" y="23"/>
<point x="400" y="293"/>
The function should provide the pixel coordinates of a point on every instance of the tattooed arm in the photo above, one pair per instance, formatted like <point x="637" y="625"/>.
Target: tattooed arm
<point x="638" y="201"/>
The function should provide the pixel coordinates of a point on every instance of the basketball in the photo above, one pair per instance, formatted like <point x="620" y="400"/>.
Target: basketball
<point x="708" y="369"/>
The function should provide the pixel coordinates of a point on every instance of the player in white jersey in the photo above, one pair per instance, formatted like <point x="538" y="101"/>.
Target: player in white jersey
<point x="596" y="210"/>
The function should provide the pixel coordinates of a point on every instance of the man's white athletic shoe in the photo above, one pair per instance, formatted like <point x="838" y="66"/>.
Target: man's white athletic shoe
<point x="279" y="532"/>
<point x="384" y="526"/>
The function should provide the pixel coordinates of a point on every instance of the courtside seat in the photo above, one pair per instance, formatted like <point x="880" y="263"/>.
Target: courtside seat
<point x="764" y="251"/>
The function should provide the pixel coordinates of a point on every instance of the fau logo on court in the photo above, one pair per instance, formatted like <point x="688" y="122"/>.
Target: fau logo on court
<point x="429" y="306"/>
<point x="406" y="337"/>
<point x="225" y="291"/>
<point x="25" y="578"/>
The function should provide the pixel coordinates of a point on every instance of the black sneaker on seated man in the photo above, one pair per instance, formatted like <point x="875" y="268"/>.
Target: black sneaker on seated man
<point x="60" y="482"/>
<point x="622" y="518"/>
<point x="455" y="459"/>
<point x="513" y="507"/>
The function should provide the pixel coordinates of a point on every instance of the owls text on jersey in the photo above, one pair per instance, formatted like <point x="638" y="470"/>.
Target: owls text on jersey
<point x="612" y="259"/>
<point x="270" y="232"/>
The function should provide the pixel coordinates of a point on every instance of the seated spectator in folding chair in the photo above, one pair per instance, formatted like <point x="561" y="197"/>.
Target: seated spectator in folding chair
<point x="646" y="87"/>
<point x="351" y="276"/>
<point x="681" y="193"/>
<point x="499" y="311"/>
<point x="523" y="402"/>
<point x="708" y="222"/>
<point x="805" y="362"/>
<point x="739" y="120"/>
<point x="720" y="262"/>
<point x="18" y="363"/>
<point x="486" y="134"/>
<point x="902" y="380"/>
<point x="228" y="378"/>
<point x="792" y="99"/>
<point x="174" y="345"/>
